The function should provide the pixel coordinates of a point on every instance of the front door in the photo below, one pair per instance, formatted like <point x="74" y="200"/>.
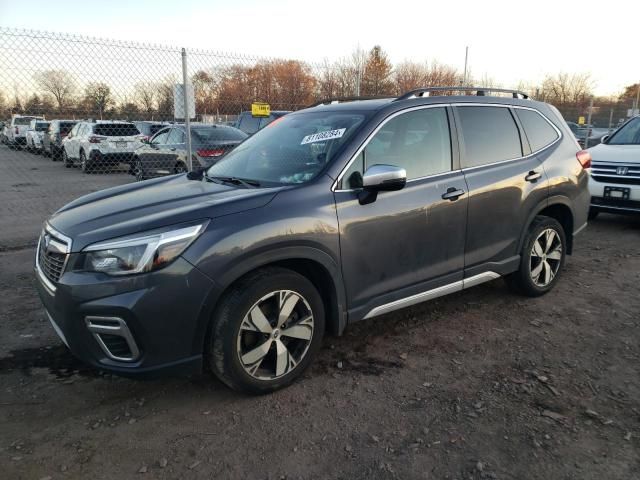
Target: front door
<point x="410" y="241"/>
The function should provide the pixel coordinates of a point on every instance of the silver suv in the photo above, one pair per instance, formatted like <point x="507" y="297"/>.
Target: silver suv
<point x="100" y="144"/>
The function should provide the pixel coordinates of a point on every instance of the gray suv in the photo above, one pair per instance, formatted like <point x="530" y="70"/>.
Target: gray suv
<point x="334" y="214"/>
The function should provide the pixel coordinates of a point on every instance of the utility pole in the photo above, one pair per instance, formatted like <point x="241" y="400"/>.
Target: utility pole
<point x="466" y="58"/>
<point x="635" y="108"/>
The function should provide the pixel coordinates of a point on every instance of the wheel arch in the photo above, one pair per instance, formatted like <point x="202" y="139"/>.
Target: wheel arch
<point x="313" y="263"/>
<point x="558" y="208"/>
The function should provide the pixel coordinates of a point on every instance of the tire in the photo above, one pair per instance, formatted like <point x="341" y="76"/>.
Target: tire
<point x="593" y="213"/>
<point x="525" y="280"/>
<point x="234" y="336"/>
<point x="138" y="171"/>
<point x="180" y="168"/>
<point x="65" y="159"/>
<point x="84" y="164"/>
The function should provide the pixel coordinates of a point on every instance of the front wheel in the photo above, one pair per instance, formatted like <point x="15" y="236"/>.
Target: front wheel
<point x="541" y="259"/>
<point x="84" y="164"/>
<point x="593" y="213"/>
<point x="138" y="170"/>
<point x="180" y="168"/>
<point x="65" y="159"/>
<point x="266" y="331"/>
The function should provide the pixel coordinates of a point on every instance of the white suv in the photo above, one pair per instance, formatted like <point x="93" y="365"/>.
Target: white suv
<point x="16" y="133"/>
<point x="100" y="144"/>
<point x="35" y="134"/>
<point x="614" y="183"/>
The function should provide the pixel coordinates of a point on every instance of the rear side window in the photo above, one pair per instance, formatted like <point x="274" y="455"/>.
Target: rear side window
<point x="538" y="131"/>
<point x="490" y="135"/>
<point x="116" y="129"/>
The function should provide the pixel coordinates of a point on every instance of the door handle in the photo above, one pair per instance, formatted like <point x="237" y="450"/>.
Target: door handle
<point x="533" y="176"/>
<point x="173" y="149"/>
<point x="452" y="194"/>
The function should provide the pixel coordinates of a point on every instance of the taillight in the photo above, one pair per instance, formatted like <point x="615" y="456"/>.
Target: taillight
<point x="584" y="157"/>
<point x="210" y="153"/>
<point x="17" y="131"/>
<point x="94" y="139"/>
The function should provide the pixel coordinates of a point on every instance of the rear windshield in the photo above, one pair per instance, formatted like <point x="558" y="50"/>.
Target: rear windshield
<point x="22" y="120"/>
<point x="42" y="126"/>
<point x="116" y="129"/>
<point x="215" y="134"/>
<point x="65" y="127"/>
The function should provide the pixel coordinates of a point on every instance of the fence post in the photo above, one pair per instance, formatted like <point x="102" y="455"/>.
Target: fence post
<point x="185" y="99"/>
<point x="586" y="135"/>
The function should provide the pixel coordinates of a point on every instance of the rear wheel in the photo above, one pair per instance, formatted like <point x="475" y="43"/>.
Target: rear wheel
<point x="138" y="170"/>
<point x="266" y="331"/>
<point x="593" y="213"/>
<point x="541" y="259"/>
<point x="84" y="164"/>
<point x="65" y="159"/>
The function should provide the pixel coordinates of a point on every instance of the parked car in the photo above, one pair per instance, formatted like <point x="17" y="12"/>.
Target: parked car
<point x="52" y="140"/>
<point x="100" y="144"/>
<point x="16" y="133"/>
<point x="615" y="171"/>
<point x="250" y="124"/>
<point x="34" y="135"/>
<point x="166" y="152"/>
<point x="334" y="214"/>
<point x="3" y="133"/>
<point x="149" y="129"/>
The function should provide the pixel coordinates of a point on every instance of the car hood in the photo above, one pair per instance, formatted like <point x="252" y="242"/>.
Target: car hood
<point x="142" y="206"/>
<point x="615" y="153"/>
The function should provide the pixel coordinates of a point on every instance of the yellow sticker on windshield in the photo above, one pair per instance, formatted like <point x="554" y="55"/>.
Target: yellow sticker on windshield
<point x="322" y="136"/>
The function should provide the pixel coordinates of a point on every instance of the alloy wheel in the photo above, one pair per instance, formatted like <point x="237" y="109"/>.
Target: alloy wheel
<point x="275" y="335"/>
<point x="546" y="257"/>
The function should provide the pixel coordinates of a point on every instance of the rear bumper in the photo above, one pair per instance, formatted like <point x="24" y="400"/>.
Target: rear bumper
<point x="110" y="157"/>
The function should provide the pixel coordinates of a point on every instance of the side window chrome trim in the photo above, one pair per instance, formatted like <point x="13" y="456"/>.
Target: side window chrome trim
<point x="334" y="186"/>
<point x="557" y="130"/>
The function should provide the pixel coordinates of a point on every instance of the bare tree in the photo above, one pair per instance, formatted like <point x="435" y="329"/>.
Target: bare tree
<point x="98" y="97"/>
<point x="146" y="93"/>
<point x="58" y="83"/>
<point x="564" y="88"/>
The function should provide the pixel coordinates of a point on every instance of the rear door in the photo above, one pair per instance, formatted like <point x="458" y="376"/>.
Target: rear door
<point x="505" y="183"/>
<point x="408" y="242"/>
<point x="73" y="140"/>
<point x="174" y="148"/>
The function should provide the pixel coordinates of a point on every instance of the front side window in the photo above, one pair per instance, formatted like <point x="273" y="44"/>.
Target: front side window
<point x="629" y="134"/>
<point x="292" y="150"/>
<point x="160" y="138"/>
<point x="176" y="137"/>
<point x="538" y="131"/>
<point x="418" y="141"/>
<point x="490" y="135"/>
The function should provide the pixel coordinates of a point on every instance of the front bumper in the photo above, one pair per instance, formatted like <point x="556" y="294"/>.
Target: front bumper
<point x="165" y="314"/>
<point x="614" y="204"/>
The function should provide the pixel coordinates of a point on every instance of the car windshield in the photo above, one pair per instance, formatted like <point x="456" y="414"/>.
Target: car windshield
<point x="291" y="150"/>
<point x="628" y="134"/>
<point x="217" y="133"/>
<point x="116" y="129"/>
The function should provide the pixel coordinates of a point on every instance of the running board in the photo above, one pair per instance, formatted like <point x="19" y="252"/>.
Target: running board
<point x="433" y="293"/>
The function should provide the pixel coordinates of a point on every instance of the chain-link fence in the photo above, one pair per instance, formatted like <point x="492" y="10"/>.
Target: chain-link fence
<point x="81" y="114"/>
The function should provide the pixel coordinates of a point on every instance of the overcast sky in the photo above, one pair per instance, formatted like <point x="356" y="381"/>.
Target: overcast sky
<point x="509" y="40"/>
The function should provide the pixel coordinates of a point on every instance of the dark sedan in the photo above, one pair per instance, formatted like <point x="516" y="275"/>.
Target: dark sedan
<point x="166" y="152"/>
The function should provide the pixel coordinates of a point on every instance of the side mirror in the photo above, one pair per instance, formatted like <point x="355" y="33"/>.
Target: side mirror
<point x="604" y="138"/>
<point x="381" y="178"/>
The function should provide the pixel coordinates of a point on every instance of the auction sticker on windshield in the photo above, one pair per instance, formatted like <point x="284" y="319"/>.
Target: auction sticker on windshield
<point x="322" y="136"/>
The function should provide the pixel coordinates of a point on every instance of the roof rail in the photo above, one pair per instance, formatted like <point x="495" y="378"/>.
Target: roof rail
<point x="329" y="101"/>
<point x="480" y="91"/>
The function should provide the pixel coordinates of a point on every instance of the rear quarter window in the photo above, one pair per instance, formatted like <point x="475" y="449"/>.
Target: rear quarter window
<point x="490" y="135"/>
<point x="537" y="129"/>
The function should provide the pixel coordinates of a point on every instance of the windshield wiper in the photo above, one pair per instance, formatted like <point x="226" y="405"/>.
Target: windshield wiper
<point x="233" y="180"/>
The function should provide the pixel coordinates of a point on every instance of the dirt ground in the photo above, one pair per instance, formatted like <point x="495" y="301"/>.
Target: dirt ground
<point x="481" y="384"/>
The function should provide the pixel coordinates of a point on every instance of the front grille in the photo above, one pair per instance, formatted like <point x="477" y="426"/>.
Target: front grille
<point x="610" y="172"/>
<point x="52" y="255"/>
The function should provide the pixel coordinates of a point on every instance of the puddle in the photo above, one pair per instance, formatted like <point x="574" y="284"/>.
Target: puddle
<point x="57" y="359"/>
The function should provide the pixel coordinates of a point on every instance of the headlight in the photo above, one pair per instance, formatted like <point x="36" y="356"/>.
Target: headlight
<point x="137" y="254"/>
